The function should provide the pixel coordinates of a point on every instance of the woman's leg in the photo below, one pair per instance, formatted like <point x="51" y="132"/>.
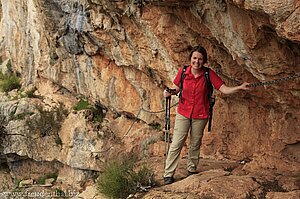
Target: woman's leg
<point x="182" y="125"/>
<point x="197" y="128"/>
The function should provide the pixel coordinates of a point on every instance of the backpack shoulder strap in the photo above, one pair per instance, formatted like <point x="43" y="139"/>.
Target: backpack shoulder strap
<point x="181" y="81"/>
<point x="208" y="82"/>
<point x="183" y="72"/>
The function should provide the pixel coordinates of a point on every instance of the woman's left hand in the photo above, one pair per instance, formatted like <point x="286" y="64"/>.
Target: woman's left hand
<point x="245" y="86"/>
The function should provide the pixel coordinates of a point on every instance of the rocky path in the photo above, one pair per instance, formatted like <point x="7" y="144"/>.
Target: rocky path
<point x="217" y="180"/>
<point x="224" y="179"/>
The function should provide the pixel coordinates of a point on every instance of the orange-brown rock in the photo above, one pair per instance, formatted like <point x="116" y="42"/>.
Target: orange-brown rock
<point x="121" y="55"/>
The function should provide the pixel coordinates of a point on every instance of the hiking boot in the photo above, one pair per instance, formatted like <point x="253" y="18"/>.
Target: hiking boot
<point x="168" y="180"/>
<point x="192" y="173"/>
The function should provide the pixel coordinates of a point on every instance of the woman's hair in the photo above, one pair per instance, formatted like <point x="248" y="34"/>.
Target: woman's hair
<point x="201" y="50"/>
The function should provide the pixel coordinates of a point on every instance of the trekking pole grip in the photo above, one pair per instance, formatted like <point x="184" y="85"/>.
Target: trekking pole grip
<point x="171" y="91"/>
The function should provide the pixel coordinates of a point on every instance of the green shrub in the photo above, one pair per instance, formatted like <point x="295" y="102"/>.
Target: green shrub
<point x="98" y="111"/>
<point x="9" y="82"/>
<point x="48" y="122"/>
<point x="42" y="179"/>
<point x="17" y="182"/>
<point x="120" y="178"/>
<point x="82" y="105"/>
<point x="8" y="65"/>
<point x="113" y="182"/>
<point x="156" y="126"/>
<point x="30" y="93"/>
<point x="59" y="193"/>
<point x="21" y="116"/>
<point x="144" y="176"/>
<point x="58" y="140"/>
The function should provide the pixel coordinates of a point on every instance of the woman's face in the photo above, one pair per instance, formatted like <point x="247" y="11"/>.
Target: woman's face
<point x="197" y="60"/>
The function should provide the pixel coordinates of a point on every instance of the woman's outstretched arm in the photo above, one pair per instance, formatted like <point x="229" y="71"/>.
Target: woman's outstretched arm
<point x="230" y="90"/>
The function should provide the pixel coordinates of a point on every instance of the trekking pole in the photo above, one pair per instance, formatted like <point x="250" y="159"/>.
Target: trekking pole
<point x="167" y="127"/>
<point x="211" y="105"/>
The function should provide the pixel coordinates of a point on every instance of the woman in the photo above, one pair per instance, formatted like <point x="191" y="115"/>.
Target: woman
<point x="192" y="111"/>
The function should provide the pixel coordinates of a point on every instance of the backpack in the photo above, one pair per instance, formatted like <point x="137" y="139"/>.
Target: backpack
<point x="210" y="92"/>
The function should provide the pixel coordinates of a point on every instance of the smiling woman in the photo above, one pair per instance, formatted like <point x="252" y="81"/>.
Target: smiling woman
<point x="193" y="110"/>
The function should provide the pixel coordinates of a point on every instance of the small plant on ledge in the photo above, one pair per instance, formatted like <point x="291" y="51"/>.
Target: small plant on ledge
<point x="9" y="82"/>
<point x="121" y="178"/>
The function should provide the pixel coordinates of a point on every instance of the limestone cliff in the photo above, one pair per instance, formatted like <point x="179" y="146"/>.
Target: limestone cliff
<point x="119" y="56"/>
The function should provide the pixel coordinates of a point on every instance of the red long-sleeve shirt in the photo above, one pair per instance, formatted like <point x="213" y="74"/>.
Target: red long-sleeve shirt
<point x="195" y="103"/>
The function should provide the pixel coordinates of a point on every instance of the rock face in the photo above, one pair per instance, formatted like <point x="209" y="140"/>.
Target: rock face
<point x="119" y="56"/>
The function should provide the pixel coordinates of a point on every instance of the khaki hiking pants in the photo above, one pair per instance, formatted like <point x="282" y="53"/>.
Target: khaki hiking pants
<point x="181" y="129"/>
